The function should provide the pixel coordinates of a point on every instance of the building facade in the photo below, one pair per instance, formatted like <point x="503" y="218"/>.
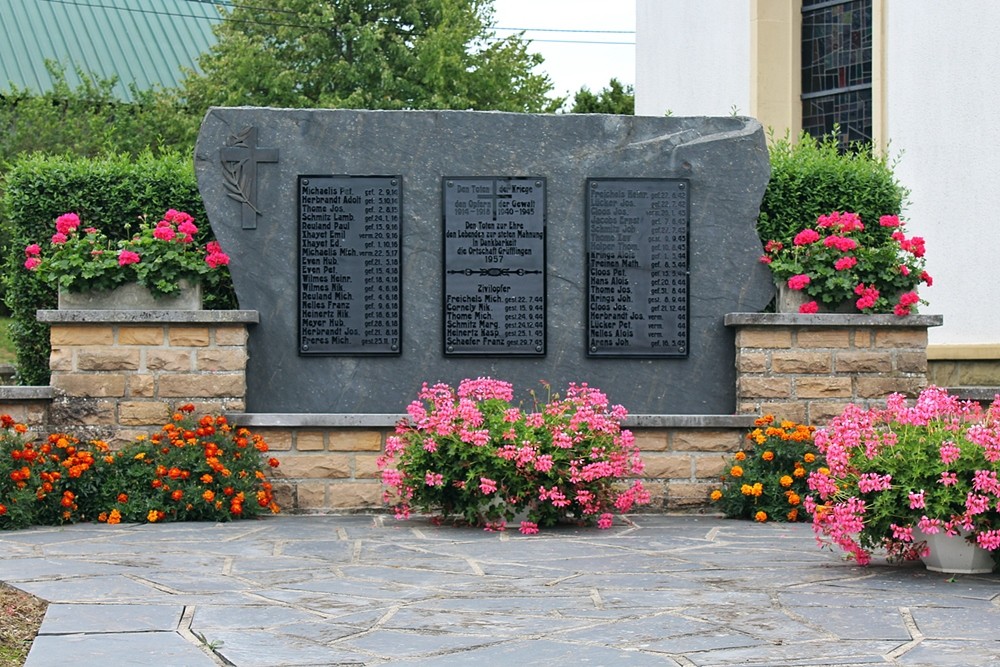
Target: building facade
<point x="914" y="77"/>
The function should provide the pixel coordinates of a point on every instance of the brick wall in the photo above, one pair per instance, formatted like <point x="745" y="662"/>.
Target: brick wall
<point x="119" y="374"/>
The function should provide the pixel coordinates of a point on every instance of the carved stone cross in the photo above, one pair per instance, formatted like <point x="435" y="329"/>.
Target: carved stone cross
<point x="239" y="162"/>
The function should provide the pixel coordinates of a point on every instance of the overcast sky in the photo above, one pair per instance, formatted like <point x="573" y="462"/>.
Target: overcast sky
<point x="572" y="65"/>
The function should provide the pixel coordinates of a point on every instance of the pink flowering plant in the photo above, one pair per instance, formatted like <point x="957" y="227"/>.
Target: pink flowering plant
<point x="896" y="473"/>
<point x="838" y="261"/>
<point x="159" y="256"/>
<point x="471" y="455"/>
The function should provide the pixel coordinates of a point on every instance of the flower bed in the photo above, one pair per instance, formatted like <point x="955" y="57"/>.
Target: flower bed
<point x="470" y="454"/>
<point x="839" y="261"/>
<point x="767" y="480"/>
<point x="931" y="466"/>
<point x="192" y="469"/>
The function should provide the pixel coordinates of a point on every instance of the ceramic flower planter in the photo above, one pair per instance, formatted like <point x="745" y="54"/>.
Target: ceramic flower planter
<point x="954" y="555"/>
<point x="132" y="296"/>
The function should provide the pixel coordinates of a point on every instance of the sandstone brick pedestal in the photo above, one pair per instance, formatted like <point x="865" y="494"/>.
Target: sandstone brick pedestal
<point x="808" y="367"/>
<point x="116" y="374"/>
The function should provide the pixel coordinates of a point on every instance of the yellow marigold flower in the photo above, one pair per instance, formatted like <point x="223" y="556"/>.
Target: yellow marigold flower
<point x="153" y="516"/>
<point x="716" y="495"/>
<point x="786" y="481"/>
<point x="800" y="472"/>
<point x="760" y="439"/>
<point x="740" y="456"/>
<point x="809" y="457"/>
<point x="760" y="516"/>
<point x="793" y="499"/>
<point x="746" y="490"/>
<point x="768" y="455"/>
<point x="824" y="471"/>
<point x="788" y="425"/>
<point x="758" y="489"/>
<point x="140" y="456"/>
<point x="736" y="471"/>
<point x="754" y="434"/>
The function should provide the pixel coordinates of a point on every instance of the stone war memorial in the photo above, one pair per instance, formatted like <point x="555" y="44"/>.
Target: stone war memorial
<point x="386" y="249"/>
<point x="374" y="251"/>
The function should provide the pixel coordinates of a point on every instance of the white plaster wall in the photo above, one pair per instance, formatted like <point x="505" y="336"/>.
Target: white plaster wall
<point x="692" y="57"/>
<point x="942" y="100"/>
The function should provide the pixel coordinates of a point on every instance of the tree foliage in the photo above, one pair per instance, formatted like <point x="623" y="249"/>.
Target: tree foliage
<point x="615" y="98"/>
<point x="367" y="54"/>
<point x="88" y="120"/>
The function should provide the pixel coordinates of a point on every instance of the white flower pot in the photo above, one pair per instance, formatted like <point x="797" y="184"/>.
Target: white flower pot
<point x="954" y="555"/>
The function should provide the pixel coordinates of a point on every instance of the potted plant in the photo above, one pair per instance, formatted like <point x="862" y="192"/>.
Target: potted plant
<point x="898" y="478"/>
<point x="766" y="480"/>
<point x="474" y="456"/>
<point x="841" y="265"/>
<point x="162" y="259"/>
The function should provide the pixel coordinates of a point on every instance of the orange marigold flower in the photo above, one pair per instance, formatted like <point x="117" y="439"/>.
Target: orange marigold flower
<point x="273" y="462"/>
<point x="102" y="517"/>
<point x="157" y="483"/>
<point x="209" y="495"/>
<point x="6" y="421"/>
<point x="740" y="456"/>
<point x="3" y="510"/>
<point x="758" y="489"/>
<point x="760" y="516"/>
<point x="274" y="508"/>
<point x="824" y="471"/>
<point x="746" y="490"/>
<point x="206" y="479"/>
<point x="187" y="407"/>
<point x="114" y="517"/>
<point x="809" y="457"/>
<point x="793" y="499"/>
<point x="177" y="495"/>
<point x="714" y="496"/>
<point x="764" y="421"/>
<point x="20" y="428"/>
<point x="153" y="516"/>
<point x="793" y="515"/>
<point x="799" y="472"/>
<point x="768" y="455"/>
<point x="736" y="471"/>
<point x="786" y="481"/>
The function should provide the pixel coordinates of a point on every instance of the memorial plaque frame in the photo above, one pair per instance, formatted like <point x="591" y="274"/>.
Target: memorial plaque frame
<point x="494" y="282"/>
<point x="638" y="267"/>
<point x="364" y="311"/>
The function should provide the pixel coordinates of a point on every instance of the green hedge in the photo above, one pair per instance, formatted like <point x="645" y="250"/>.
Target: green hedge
<point x="108" y="193"/>
<point x="811" y="177"/>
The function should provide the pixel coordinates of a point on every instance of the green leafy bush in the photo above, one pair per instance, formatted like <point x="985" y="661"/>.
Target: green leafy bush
<point x="116" y="192"/>
<point x="811" y="177"/>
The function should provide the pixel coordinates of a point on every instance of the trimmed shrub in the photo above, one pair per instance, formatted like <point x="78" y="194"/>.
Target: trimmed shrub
<point x="811" y="177"/>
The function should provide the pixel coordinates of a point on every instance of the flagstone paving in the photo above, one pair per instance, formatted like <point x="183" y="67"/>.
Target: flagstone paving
<point x="687" y="591"/>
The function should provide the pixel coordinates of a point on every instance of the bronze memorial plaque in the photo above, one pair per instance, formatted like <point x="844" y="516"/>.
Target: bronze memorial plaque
<point x="494" y="266"/>
<point x="349" y="265"/>
<point x="637" y="267"/>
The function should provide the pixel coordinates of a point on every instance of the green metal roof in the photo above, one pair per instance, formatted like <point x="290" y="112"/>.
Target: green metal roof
<point x="140" y="41"/>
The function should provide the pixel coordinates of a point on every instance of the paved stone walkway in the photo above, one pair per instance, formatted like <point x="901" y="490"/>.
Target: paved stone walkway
<point x="369" y="590"/>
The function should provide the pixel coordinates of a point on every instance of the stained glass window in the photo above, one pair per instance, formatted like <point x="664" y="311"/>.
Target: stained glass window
<point x="837" y="68"/>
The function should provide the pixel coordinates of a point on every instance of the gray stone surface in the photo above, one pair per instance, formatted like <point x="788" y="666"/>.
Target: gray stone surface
<point x="724" y="158"/>
<point x="368" y="590"/>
